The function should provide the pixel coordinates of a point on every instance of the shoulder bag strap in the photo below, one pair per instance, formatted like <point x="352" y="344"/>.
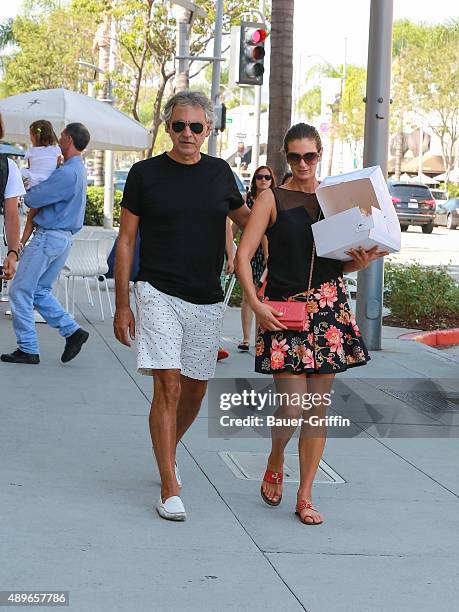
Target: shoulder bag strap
<point x="312" y="259"/>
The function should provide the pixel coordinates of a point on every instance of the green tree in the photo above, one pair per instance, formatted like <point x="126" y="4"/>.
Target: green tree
<point x="347" y="112"/>
<point x="46" y="49"/>
<point x="407" y="38"/>
<point x="146" y="36"/>
<point x="310" y="103"/>
<point x="425" y="74"/>
<point x="437" y="68"/>
<point x="352" y="123"/>
<point x="51" y="35"/>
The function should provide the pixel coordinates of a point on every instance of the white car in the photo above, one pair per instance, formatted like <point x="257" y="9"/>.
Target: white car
<point x="440" y="197"/>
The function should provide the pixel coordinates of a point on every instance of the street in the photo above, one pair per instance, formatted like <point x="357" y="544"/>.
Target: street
<point x="439" y="248"/>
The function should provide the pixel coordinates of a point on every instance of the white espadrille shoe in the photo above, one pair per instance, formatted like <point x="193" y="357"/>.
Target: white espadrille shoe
<point x="172" y="509"/>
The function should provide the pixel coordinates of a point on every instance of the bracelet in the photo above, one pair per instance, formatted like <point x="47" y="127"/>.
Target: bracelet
<point x="15" y="252"/>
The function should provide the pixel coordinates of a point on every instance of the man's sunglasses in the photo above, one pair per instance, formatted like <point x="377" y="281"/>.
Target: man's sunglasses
<point x="195" y="127"/>
<point x="267" y="177"/>
<point x="309" y="158"/>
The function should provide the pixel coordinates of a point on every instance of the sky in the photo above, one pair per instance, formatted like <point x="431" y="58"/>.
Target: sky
<point x="9" y="8"/>
<point x="322" y="25"/>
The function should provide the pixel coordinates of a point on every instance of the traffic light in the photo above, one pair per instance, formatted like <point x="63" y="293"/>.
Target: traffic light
<point x="248" y="48"/>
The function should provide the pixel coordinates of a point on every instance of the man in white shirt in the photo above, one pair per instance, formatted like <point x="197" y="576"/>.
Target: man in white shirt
<point x="12" y="187"/>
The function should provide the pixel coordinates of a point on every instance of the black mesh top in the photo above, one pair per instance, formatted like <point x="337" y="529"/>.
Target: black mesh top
<point x="290" y="246"/>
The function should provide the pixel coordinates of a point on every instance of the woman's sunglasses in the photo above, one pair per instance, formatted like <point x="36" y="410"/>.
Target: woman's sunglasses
<point x="267" y="177"/>
<point x="309" y="158"/>
<point x="195" y="127"/>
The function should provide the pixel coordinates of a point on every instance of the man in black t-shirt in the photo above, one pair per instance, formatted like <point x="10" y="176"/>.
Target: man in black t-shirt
<point x="180" y="201"/>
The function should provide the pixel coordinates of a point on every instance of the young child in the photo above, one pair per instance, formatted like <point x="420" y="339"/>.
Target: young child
<point x="43" y="157"/>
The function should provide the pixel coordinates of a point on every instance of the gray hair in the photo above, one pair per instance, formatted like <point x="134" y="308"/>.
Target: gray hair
<point x="190" y="98"/>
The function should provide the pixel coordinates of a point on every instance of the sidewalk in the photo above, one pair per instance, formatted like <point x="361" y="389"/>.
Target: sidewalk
<point x="79" y="487"/>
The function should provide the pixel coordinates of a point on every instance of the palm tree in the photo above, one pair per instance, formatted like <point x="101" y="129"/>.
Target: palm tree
<point x="280" y="81"/>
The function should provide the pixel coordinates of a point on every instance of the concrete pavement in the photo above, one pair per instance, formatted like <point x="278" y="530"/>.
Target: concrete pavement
<point x="79" y="487"/>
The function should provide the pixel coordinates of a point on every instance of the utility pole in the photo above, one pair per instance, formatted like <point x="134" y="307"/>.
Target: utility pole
<point x="341" y="116"/>
<point x="421" y="151"/>
<point x="216" y="71"/>
<point x="256" y="140"/>
<point x="183" y="18"/>
<point x="371" y="280"/>
<point x="109" y="187"/>
<point x="102" y="46"/>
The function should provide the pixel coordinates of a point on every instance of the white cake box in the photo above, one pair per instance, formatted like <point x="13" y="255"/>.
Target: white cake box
<point x="358" y="212"/>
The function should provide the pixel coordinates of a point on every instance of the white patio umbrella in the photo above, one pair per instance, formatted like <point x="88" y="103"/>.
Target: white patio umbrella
<point x="427" y="180"/>
<point x="110" y="129"/>
<point x="415" y="179"/>
<point x="453" y="176"/>
<point x="405" y="177"/>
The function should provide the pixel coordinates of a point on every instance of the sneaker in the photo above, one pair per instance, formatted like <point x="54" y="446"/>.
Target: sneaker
<point x="178" y="475"/>
<point x="19" y="356"/>
<point x="172" y="509"/>
<point x="73" y="344"/>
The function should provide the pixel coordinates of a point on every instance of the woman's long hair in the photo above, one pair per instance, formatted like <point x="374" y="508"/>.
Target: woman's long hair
<point x="253" y="183"/>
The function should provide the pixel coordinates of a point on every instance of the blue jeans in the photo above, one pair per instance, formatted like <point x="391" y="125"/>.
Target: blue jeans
<point x="43" y="259"/>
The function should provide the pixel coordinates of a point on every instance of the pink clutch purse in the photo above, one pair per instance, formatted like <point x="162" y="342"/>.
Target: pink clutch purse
<point x="293" y="314"/>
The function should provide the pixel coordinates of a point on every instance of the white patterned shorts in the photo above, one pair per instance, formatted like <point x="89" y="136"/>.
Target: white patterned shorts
<point x="172" y="333"/>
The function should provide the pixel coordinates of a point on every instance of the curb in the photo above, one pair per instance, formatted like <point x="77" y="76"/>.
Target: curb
<point x="438" y="337"/>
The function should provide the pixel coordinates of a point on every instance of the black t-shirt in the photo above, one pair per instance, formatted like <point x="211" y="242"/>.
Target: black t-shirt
<point x="182" y="210"/>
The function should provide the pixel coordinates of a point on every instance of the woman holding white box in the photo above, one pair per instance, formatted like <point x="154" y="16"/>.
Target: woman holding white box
<point x="302" y="356"/>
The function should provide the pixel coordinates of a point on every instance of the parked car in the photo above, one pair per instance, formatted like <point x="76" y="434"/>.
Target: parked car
<point x="414" y="204"/>
<point x="240" y="184"/>
<point x="447" y="213"/>
<point x="119" y="179"/>
<point x="440" y="196"/>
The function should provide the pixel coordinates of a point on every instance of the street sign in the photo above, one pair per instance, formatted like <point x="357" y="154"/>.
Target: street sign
<point x="229" y="120"/>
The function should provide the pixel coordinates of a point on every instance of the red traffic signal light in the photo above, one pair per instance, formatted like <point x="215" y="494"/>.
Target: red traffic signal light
<point x="256" y="36"/>
<point x="252" y="53"/>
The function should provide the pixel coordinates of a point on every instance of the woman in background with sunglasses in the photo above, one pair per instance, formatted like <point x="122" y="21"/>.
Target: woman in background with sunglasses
<point x="302" y="362"/>
<point x="263" y="179"/>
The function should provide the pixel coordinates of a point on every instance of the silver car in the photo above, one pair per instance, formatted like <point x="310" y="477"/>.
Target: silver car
<point x="447" y="213"/>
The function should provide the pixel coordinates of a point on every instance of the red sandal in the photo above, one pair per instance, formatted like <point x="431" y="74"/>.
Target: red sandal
<point x="272" y="478"/>
<point x="304" y="504"/>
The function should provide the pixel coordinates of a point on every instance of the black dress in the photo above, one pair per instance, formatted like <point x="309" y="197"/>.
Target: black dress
<point x="258" y="260"/>
<point x="332" y="343"/>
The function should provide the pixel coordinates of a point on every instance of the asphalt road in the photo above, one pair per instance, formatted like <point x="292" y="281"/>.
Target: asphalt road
<point x="441" y="247"/>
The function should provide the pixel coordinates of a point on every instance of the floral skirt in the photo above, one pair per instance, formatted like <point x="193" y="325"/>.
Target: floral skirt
<point x="330" y="344"/>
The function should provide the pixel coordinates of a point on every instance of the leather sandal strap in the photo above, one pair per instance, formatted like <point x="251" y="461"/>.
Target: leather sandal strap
<point x="273" y="477"/>
<point x="304" y="504"/>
